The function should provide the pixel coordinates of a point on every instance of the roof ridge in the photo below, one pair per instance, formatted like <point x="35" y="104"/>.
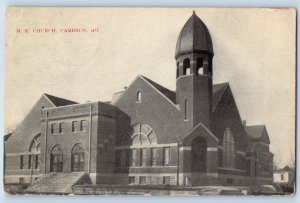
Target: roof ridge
<point x="197" y="126"/>
<point x="126" y="89"/>
<point x="149" y="80"/>
<point x="193" y="30"/>
<point x="222" y="83"/>
<point x="154" y="84"/>
<point x="56" y="97"/>
<point x="256" y="131"/>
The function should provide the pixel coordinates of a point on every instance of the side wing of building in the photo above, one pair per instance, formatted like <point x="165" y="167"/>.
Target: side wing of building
<point x="17" y="148"/>
<point x="259" y="155"/>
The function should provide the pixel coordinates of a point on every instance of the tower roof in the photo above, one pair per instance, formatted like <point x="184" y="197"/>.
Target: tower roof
<point x="194" y="36"/>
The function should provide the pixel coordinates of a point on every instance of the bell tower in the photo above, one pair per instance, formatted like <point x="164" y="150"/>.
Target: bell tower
<point x="194" y="54"/>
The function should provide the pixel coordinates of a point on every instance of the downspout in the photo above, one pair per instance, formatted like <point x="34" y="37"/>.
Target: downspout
<point x="252" y="168"/>
<point x="90" y="134"/>
<point x="177" y="164"/>
<point x="46" y="130"/>
<point x="31" y="167"/>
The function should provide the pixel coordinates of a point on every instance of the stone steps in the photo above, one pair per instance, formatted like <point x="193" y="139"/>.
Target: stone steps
<point x="56" y="183"/>
<point x="204" y="181"/>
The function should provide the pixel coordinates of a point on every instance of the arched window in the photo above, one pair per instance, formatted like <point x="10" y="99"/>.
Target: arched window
<point x="186" y="65"/>
<point x="185" y="109"/>
<point x="228" y="149"/>
<point x="138" y="96"/>
<point x="199" y="65"/>
<point x="35" y="143"/>
<point x="34" y="150"/>
<point x="142" y="134"/>
<point x="56" y="159"/>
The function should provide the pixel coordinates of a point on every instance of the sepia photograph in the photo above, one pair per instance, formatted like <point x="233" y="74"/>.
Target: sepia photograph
<point x="150" y="101"/>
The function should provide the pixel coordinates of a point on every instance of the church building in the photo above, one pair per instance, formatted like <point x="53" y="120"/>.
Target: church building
<point x="147" y="134"/>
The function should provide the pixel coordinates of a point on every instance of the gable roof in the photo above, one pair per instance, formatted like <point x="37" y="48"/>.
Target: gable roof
<point x="195" y="131"/>
<point x="218" y="91"/>
<point x="57" y="101"/>
<point x="168" y="93"/>
<point x="257" y="132"/>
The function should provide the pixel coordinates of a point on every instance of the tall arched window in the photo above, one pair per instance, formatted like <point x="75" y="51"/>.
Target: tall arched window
<point x="185" y="109"/>
<point x="228" y="149"/>
<point x="34" y="151"/>
<point x="138" y="96"/>
<point x="186" y="65"/>
<point x="142" y="135"/>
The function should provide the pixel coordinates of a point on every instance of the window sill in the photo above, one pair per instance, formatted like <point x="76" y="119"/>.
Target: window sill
<point x="79" y="131"/>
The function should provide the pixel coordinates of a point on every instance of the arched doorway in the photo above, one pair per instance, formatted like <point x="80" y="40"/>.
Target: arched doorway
<point x="56" y="164"/>
<point x="77" y="162"/>
<point x="199" y="148"/>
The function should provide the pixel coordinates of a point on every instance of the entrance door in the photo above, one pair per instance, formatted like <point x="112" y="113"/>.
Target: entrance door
<point x="56" y="159"/>
<point x="78" y="158"/>
<point x="78" y="162"/>
<point x="56" y="163"/>
<point x="199" y="148"/>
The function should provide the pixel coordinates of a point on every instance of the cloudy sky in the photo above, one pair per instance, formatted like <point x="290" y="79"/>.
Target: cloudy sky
<point x="254" y="52"/>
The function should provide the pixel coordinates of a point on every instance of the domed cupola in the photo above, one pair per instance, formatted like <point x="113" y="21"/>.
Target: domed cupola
<point x="194" y="75"/>
<point x="194" y="37"/>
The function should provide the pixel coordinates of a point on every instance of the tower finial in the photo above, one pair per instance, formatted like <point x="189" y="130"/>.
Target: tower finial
<point x="194" y="13"/>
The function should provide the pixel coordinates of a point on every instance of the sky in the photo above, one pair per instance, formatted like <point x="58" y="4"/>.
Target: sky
<point x="254" y="52"/>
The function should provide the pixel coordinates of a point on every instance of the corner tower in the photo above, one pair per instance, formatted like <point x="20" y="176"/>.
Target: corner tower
<point x="194" y="54"/>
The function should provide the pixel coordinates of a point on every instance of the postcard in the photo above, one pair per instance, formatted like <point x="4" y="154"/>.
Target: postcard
<point x="150" y="101"/>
